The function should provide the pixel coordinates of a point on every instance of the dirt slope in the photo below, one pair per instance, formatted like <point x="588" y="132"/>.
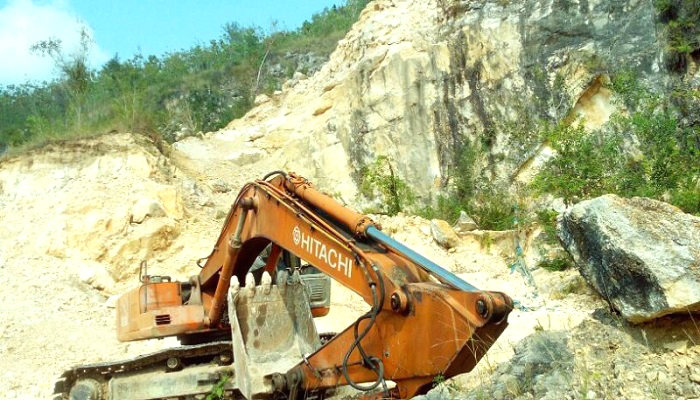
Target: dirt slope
<point x="69" y="242"/>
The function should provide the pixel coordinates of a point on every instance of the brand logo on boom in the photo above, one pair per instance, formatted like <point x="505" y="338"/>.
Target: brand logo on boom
<point x="330" y="256"/>
<point x="296" y="235"/>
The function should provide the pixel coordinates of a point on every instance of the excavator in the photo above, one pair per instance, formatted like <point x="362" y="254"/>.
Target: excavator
<point x="246" y="321"/>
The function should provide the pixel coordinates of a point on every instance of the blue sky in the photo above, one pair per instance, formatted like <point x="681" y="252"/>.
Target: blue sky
<point x="129" y="26"/>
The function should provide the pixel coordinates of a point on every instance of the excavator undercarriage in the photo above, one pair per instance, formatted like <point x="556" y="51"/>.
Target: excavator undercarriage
<point x="246" y="321"/>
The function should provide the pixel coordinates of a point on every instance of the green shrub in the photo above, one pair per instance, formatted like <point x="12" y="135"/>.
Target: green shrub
<point x="548" y="221"/>
<point x="626" y="84"/>
<point x="646" y="153"/>
<point x="682" y="30"/>
<point x="663" y="6"/>
<point x="380" y="180"/>
<point x="582" y="165"/>
<point x="491" y="208"/>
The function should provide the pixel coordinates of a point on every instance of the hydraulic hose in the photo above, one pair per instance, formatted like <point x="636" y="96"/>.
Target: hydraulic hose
<point x="273" y="173"/>
<point x="233" y="247"/>
<point x="373" y="363"/>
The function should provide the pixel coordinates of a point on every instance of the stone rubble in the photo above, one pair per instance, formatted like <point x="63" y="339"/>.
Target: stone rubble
<point x="443" y="234"/>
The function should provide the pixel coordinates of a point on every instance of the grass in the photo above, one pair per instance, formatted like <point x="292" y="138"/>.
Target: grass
<point x="448" y="385"/>
<point x="218" y="392"/>
<point x="490" y="209"/>
<point x="556" y="264"/>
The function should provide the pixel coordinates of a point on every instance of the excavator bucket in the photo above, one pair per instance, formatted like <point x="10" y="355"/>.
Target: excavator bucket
<point x="272" y="330"/>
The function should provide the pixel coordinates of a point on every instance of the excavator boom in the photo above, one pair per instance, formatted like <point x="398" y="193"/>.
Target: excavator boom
<point x="423" y="320"/>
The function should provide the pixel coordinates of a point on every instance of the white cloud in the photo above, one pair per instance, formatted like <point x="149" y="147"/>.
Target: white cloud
<point x="23" y="23"/>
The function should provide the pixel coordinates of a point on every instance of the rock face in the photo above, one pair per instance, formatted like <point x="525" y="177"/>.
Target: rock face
<point x="641" y="255"/>
<point x="109" y="201"/>
<point x="423" y="82"/>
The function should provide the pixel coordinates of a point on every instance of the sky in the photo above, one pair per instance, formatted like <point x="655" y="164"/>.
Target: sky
<point x="128" y="27"/>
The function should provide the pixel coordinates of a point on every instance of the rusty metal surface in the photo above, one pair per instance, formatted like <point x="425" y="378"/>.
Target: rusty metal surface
<point x="435" y="338"/>
<point x="156" y="310"/>
<point x="355" y="222"/>
<point x="420" y="330"/>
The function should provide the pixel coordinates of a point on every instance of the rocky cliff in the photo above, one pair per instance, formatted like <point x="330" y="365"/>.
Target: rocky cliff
<point x="428" y="84"/>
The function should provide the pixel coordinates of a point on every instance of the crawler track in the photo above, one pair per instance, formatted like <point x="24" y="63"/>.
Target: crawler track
<point x="219" y="352"/>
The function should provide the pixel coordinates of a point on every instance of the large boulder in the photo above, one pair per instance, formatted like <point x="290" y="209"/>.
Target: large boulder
<point x="641" y="255"/>
<point x="443" y="234"/>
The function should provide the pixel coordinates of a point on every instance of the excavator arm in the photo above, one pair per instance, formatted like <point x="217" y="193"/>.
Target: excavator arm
<point x="423" y="321"/>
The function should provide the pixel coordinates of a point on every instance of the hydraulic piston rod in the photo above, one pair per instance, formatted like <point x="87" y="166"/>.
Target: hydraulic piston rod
<point x="444" y="275"/>
<point x="362" y="225"/>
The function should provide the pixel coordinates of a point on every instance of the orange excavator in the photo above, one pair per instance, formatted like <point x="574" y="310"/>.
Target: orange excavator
<point x="246" y="322"/>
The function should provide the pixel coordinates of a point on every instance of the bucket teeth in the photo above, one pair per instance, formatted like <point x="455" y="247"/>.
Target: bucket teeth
<point x="233" y="289"/>
<point x="282" y="277"/>
<point x="266" y="282"/>
<point x="249" y="281"/>
<point x="250" y="284"/>
<point x="296" y="277"/>
<point x="235" y="285"/>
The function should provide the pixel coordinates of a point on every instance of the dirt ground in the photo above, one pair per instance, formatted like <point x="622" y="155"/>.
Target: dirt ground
<point x="74" y="233"/>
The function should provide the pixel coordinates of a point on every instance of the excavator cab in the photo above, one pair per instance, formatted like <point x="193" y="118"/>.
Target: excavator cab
<point x="316" y="283"/>
<point x="161" y="307"/>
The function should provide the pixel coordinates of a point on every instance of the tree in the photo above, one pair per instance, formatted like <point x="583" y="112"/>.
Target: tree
<point x="74" y="68"/>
